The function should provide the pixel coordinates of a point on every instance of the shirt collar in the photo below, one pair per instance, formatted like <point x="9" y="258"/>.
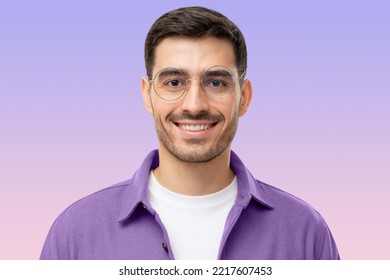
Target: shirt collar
<point x="248" y="186"/>
<point x="137" y="189"/>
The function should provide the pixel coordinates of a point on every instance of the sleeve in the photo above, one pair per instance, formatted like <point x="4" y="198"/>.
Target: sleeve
<point x="326" y="245"/>
<point x="55" y="247"/>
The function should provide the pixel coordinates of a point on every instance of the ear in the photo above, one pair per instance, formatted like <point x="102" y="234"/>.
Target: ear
<point x="246" y="97"/>
<point x="145" y="87"/>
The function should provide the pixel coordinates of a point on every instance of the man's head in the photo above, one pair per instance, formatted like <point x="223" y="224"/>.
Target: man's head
<point x="195" y="87"/>
<point x="194" y="22"/>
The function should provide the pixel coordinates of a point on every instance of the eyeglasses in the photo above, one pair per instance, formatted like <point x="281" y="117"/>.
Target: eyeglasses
<point x="171" y="83"/>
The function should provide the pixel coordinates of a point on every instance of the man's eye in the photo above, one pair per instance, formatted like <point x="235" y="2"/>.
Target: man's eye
<point x="215" y="83"/>
<point x="173" y="83"/>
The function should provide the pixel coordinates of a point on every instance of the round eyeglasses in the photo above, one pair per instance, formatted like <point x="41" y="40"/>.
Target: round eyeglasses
<point x="217" y="82"/>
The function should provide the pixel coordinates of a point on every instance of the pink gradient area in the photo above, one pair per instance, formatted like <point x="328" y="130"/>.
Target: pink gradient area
<point x="72" y="119"/>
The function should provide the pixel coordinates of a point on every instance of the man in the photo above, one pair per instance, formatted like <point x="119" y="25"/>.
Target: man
<point x="192" y="198"/>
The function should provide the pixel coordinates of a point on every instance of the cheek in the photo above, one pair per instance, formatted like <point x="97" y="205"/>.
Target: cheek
<point x="230" y="109"/>
<point x="161" y="110"/>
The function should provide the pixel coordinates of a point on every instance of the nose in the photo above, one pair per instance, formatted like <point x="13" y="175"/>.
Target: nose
<point x="195" y="100"/>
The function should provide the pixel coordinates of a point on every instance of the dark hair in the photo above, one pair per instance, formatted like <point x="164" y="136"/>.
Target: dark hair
<point x="194" y="22"/>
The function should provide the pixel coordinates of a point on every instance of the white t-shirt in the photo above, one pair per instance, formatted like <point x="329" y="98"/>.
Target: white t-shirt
<point x="194" y="223"/>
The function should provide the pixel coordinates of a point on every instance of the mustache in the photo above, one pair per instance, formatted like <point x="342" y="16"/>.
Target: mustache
<point x="202" y="116"/>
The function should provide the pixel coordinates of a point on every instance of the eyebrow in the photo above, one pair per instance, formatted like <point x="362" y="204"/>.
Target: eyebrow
<point x="171" y="71"/>
<point x="174" y="71"/>
<point x="221" y="72"/>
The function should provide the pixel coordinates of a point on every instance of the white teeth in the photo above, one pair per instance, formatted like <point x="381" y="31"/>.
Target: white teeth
<point x="197" y="127"/>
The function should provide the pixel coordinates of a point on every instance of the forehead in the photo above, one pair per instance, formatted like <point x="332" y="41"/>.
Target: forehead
<point x="194" y="55"/>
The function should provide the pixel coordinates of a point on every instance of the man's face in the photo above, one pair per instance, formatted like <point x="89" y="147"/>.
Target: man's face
<point x="196" y="127"/>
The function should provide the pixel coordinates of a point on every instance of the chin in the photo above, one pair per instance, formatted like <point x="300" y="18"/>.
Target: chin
<point x="196" y="156"/>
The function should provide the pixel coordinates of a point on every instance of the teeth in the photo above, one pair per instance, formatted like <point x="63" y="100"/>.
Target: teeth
<point x="197" y="127"/>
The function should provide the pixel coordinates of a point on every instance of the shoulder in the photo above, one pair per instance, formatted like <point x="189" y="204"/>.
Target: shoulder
<point x="101" y="205"/>
<point x="291" y="212"/>
<point x="93" y="215"/>
<point x="286" y="202"/>
<point x="107" y="197"/>
<point x="293" y="221"/>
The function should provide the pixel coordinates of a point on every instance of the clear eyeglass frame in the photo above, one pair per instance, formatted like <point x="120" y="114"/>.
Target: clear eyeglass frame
<point x="217" y="82"/>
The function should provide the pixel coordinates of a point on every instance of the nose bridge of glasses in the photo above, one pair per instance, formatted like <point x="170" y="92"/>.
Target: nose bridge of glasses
<point x="190" y="85"/>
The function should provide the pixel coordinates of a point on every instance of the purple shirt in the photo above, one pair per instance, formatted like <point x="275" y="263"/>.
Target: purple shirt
<point x="119" y="223"/>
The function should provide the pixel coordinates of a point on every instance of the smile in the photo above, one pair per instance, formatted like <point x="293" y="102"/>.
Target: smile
<point x="195" y="127"/>
<point x="198" y="127"/>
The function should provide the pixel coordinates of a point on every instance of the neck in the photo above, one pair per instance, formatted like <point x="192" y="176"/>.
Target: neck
<point x="194" y="178"/>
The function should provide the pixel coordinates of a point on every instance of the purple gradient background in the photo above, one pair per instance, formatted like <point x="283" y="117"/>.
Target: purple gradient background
<point x="72" y="119"/>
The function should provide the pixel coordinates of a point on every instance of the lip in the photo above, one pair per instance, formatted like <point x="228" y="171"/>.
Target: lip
<point x="195" y="128"/>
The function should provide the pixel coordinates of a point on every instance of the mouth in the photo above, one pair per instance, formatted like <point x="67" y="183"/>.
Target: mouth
<point x="195" y="127"/>
<point x="200" y="125"/>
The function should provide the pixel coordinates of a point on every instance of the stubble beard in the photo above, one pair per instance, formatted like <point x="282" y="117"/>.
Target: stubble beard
<point x="193" y="152"/>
